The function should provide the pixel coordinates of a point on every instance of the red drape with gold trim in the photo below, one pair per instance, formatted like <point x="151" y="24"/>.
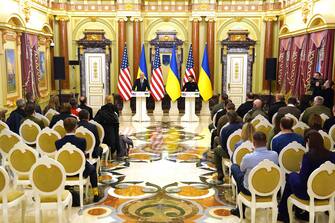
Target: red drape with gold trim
<point x="30" y="64"/>
<point x="284" y="63"/>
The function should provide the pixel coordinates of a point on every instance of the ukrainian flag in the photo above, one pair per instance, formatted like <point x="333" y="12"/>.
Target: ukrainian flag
<point x="204" y="82"/>
<point x="172" y="83"/>
<point x="142" y="68"/>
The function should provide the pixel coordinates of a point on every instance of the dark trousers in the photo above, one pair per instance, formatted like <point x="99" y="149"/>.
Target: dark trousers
<point x="239" y="178"/>
<point x="90" y="170"/>
<point x="219" y="153"/>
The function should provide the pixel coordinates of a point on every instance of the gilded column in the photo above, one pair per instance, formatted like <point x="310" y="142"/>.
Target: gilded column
<point x="64" y="48"/>
<point x="210" y="45"/>
<point x="122" y="21"/>
<point x="136" y="43"/>
<point x="52" y="54"/>
<point x="268" y="45"/>
<point x="195" y="44"/>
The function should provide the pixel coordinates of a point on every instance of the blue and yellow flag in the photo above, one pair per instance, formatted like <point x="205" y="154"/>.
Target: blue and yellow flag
<point x="142" y="68"/>
<point x="204" y="82"/>
<point x="172" y="83"/>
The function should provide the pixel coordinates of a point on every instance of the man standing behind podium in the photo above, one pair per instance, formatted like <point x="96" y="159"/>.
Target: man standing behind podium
<point x="191" y="85"/>
<point x="141" y="84"/>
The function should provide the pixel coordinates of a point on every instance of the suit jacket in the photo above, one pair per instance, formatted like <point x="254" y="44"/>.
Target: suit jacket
<point x="253" y="113"/>
<point x="328" y="124"/>
<point x="80" y="143"/>
<point x="61" y="116"/>
<point x="92" y="128"/>
<point x="87" y="108"/>
<point x="274" y="108"/>
<point x="34" y="119"/>
<point x="244" y="108"/>
<point x="141" y="87"/>
<point x="227" y="131"/>
<point x="315" y="109"/>
<point x="289" y="109"/>
<point x="14" y="120"/>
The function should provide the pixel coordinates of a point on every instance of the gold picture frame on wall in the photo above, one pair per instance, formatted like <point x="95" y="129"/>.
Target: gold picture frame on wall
<point x="43" y="71"/>
<point x="43" y="58"/>
<point x="11" y="81"/>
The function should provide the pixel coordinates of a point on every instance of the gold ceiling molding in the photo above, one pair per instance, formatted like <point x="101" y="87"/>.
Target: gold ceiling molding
<point x="238" y="19"/>
<point x="136" y="19"/>
<point x="306" y="9"/>
<point x="26" y="10"/>
<point x="196" y="19"/>
<point x="122" y="18"/>
<point x="210" y="19"/>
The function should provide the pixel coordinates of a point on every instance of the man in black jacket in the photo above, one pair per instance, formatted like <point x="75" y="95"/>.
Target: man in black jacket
<point x="191" y="85"/>
<point x="16" y="116"/>
<point x="65" y="112"/>
<point x="280" y="102"/>
<point x="141" y="84"/>
<point x="108" y="117"/>
<point x="246" y="106"/>
<point x="70" y="125"/>
<point x="83" y="105"/>
<point x="84" y="117"/>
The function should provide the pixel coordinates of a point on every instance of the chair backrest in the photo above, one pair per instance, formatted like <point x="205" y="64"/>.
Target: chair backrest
<point x="29" y="131"/>
<point x="44" y="119"/>
<point x="295" y="120"/>
<point x="259" y="118"/>
<point x="101" y="130"/>
<point x="47" y="177"/>
<point x="82" y="132"/>
<point x="4" y="184"/>
<point x="331" y="133"/>
<point x="50" y="113"/>
<point x="72" y="159"/>
<point x="242" y="150"/>
<point x="290" y="157"/>
<point x="45" y="142"/>
<point x="3" y="125"/>
<point x="21" y="158"/>
<point x="234" y="138"/>
<point x="324" y="117"/>
<point x="274" y="118"/>
<point x="264" y="128"/>
<point x="301" y="115"/>
<point x="59" y="127"/>
<point x="268" y="170"/>
<point x="320" y="184"/>
<point x="7" y="141"/>
<point x="327" y="140"/>
<point x="300" y="128"/>
<point x="214" y="116"/>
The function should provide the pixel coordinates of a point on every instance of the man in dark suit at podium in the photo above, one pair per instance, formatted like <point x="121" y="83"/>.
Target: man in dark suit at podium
<point x="191" y="85"/>
<point x="141" y="84"/>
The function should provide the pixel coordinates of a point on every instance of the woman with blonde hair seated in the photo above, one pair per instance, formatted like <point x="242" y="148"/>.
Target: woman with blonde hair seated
<point x="248" y="131"/>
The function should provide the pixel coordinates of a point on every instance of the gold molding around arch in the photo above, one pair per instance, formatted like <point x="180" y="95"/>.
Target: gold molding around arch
<point x="243" y="21"/>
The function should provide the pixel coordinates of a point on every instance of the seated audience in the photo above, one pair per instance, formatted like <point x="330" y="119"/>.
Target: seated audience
<point x="15" y="117"/>
<point x="327" y="93"/>
<point x="329" y="122"/>
<point x="285" y="136"/>
<point x="222" y="151"/>
<point x="274" y="131"/>
<point x="31" y="98"/>
<point x="279" y="103"/>
<point x="30" y="111"/>
<point x="317" y="108"/>
<point x="304" y="102"/>
<point x="65" y="112"/>
<point x="108" y="117"/>
<point x="84" y="121"/>
<point x="249" y="161"/>
<point x="315" y="122"/>
<point x="191" y="85"/>
<point x="296" y="183"/>
<point x="83" y="105"/>
<point x="246" y="106"/>
<point x="74" y="107"/>
<point x="70" y="125"/>
<point x="220" y="105"/>
<point x="291" y="108"/>
<point x="222" y="120"/>
<point x="53" y="104"/>
<point x="256" y="110"/>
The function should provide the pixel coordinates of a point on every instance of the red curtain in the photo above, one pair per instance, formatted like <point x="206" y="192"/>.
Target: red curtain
<point x="301" y="56"/>
<point x="30" y="64"/>
<point x="284" y="63"/>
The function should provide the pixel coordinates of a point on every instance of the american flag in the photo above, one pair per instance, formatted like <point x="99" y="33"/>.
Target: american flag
<point x="124" y="82"/>
<point x="189" y="66"/>
<point x="156" y="82"/>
